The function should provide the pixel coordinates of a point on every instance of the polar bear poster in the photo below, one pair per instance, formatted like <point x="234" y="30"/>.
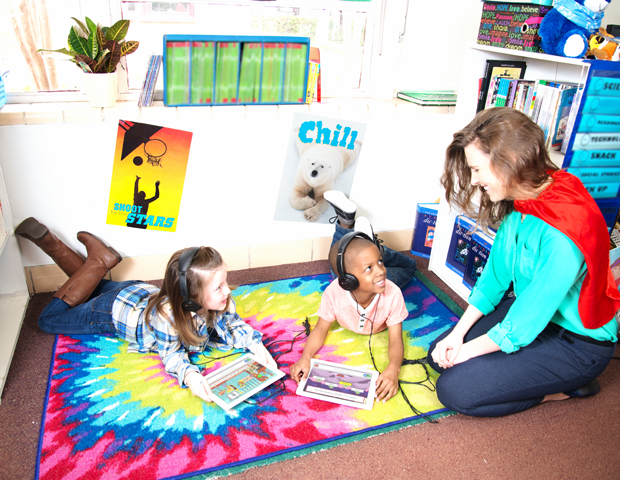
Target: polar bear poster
<point x="322" y="155"/>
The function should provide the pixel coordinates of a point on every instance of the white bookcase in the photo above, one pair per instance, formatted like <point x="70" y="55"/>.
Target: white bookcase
<point x="539" y="66"/>
<point x="13" y="289"/>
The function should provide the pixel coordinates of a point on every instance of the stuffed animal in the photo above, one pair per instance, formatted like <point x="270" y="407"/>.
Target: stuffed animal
<point x="565" y="30"/>
<point x="603" y="46"/>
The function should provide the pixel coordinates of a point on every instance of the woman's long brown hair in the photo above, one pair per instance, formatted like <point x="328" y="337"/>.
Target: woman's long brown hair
<point x="518" y="157"/>
<point x="206" y="260"/>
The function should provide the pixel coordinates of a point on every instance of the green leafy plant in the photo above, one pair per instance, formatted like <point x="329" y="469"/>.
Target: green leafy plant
<point x="97" y="49"/>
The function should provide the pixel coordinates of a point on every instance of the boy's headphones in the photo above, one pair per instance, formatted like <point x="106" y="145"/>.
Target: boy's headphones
<point x="185" y="260"/>
<point x="348" y="281"/>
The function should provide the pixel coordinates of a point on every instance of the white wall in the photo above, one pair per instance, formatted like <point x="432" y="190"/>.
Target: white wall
<point x="61" y="173"/>
<point x="437" y="34"/>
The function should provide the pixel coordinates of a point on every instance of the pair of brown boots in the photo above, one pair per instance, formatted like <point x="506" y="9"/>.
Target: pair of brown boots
<point x="84" y="275"/>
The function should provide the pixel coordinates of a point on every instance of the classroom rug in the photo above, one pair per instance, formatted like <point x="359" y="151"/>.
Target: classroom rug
<point x="110" y="414"/>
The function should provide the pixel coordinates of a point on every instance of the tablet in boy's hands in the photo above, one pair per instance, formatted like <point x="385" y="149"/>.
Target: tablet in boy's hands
<point x="342" y="384"/>
<point x="233" y="383"/>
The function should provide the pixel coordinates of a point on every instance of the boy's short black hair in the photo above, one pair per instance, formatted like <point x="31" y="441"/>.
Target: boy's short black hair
<point x="350" y="254"/>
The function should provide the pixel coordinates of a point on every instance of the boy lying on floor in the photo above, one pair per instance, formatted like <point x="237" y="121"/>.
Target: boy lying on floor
<point x="364" y="301"/>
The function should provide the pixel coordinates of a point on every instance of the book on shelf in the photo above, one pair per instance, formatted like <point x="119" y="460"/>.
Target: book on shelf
<point x="313" y="75"/>
<point x="495" y="69"/>
<point x="460" y="244"/>
<point x="428" y="98"/>
<point x="477" y="259"/>
<point x="424" y="229"/>
<point x="560" y="123"/>
<point x="572" y="116"/>
<point x="150" y="80"/>
<point x="177" y="69"/>
<point x="203" y="70"/>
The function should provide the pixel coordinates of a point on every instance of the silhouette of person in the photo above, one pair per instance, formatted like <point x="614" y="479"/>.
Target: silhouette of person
<point x="142" y="205"/>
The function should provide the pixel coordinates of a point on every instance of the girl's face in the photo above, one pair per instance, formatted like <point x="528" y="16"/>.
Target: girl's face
<point x="481" y="173"/>
<point x="215" y="292"/>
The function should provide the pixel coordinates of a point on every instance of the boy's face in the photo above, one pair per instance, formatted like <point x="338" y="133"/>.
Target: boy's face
<point x="369" y="270"/>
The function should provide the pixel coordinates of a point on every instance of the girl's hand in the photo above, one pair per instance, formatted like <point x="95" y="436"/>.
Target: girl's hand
<point x="387" y="384"/>
<point x="300" y="369"/>
<point x="263" y="355"/>
<point x="198" y="385"/>
<point x="447" y="350"/>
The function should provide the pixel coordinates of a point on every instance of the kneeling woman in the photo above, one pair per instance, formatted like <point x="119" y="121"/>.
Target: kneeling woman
<point x="540" y="322"/>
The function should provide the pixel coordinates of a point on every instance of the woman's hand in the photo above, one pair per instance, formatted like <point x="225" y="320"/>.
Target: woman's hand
<point x="263" y="355"/>
<point x="387" y="384"/>
<point x="198" y="385"/>
<point x="447" y="350"/>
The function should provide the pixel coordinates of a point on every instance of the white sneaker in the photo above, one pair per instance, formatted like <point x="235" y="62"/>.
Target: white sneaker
<point x="363" y="225"/>
<point x="344" y="207"/>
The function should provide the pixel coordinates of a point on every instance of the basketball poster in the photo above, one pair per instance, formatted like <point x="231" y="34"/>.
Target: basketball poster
<point x="148" y="176"/>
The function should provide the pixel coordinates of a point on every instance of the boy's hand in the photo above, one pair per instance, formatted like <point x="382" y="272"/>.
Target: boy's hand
<point x="300" y="369"/>
<point x="387" y="384"/>
<point x="198" y="386"/>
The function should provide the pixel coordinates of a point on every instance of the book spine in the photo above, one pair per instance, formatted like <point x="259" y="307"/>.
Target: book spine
<point x="569" y="125"/>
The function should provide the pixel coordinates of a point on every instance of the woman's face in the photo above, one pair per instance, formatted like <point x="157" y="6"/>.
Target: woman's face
<point x="481" y="173"/>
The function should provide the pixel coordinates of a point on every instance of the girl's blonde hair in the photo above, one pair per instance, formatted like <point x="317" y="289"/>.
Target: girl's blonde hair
<point x="168" y="301"/>
<point x="518" y="157"/>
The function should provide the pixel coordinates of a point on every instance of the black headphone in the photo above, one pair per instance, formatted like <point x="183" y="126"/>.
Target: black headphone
<point x="346" y="280"/>
<point x="185" y="260"/>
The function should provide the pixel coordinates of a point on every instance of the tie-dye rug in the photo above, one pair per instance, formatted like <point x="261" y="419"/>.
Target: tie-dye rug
<point x="110" y="414"/>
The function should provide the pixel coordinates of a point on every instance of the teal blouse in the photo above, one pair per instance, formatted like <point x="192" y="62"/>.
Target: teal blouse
<point x="547" y="270"/>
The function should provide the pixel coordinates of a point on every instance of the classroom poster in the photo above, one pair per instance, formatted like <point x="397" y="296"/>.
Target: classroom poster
<point x="148" y="176"/>
<point x="322" y="155"/>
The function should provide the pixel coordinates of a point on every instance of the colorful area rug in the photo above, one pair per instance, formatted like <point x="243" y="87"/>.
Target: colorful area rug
<point x="110" y="414"/>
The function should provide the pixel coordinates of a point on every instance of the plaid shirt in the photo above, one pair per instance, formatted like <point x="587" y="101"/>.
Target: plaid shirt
<point x="128" y="314"/>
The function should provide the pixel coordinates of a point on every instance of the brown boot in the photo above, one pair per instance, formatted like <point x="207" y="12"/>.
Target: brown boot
<point x="99" y="260"/>
<point x="63" y="256"/>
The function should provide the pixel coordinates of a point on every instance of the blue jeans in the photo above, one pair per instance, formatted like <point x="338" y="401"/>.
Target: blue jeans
<point x="500" y="384"/>
<point x="400" y="268"/>
<point x="93" y="316"/>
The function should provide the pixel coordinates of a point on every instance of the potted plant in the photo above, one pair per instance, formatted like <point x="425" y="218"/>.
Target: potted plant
<point x="98" y="51"/>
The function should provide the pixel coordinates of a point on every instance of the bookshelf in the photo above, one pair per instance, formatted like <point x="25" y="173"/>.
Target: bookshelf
<point x="539" y="65"/>
<point x="13" y="289"/>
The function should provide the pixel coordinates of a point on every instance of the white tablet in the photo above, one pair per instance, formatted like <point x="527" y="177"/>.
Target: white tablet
<point x="343" y="384"/>
<point x="239" y="380"/>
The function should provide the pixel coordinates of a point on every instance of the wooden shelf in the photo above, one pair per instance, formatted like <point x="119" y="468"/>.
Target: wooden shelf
<point x="13" y="309"/>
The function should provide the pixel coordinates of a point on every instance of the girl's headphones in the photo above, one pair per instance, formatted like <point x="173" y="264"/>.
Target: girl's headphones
<point x="185" y="260"/>
<point x="348" y="281"/>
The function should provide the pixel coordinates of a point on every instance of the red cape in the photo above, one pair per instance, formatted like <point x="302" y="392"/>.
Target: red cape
<point x="567" y="206"/>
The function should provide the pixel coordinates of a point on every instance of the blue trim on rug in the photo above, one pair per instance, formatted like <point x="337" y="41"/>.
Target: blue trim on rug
<point x="47" y="398"/>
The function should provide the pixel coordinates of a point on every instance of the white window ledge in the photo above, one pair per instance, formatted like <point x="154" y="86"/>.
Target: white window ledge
<point x="80" y="112"/>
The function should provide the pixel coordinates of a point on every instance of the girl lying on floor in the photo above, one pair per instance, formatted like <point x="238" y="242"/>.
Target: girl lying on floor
<point x="193" y="309"/>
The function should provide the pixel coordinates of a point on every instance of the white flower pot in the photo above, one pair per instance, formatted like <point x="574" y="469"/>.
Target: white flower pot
<point x="101" y="88"/>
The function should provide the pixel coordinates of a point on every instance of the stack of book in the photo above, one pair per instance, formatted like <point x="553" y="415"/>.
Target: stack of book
<point x="547" y="102"/>
<point x="150" y="79"/>
<point x="427" y="99"/>
<point x="221" y="70"/>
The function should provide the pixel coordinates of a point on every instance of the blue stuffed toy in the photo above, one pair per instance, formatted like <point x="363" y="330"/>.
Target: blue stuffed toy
<point x="565" y="30"/>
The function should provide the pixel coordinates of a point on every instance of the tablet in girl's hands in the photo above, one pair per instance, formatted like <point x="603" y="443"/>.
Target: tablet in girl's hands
<point x="342" y="384"/>
<point x="233" y="383"/>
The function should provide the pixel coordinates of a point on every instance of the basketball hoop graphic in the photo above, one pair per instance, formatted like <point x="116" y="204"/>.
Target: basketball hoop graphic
<point x="154" y="149"/>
